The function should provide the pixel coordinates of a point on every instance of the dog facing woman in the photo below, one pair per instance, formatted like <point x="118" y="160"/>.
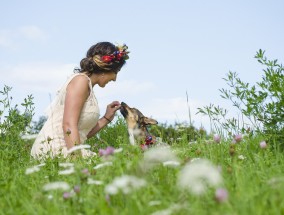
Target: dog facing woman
<point x="74" y="115"/>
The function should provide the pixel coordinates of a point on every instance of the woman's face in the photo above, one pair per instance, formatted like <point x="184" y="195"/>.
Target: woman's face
<point x="107" y="77"/>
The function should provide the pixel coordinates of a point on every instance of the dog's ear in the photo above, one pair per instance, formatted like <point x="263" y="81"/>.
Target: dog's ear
<point x="149" y="121"/>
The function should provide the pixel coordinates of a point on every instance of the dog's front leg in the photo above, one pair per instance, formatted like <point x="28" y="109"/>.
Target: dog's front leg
<point x="131" y="136"/>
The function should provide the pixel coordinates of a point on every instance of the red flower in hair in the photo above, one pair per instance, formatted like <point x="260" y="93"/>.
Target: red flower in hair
<point x="118" y="55"/>
<point x="107" y="58"/>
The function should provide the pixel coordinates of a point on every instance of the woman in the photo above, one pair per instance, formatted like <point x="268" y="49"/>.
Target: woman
<point x="73" y="117"/>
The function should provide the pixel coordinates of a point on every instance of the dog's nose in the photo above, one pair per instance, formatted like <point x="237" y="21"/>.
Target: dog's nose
<point x="123" y="104"/>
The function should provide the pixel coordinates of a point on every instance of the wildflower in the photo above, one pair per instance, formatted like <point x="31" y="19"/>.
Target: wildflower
<point x="34" y="169"/>
<point x="241" y="157"/>
<point x="198" y="152"/>
<point x="238" y="138"/>
<point x="125" y="184"/>
<point x="66" y="165"/>
<point x="66" y="195"/>
<point x="95" y="182"/>
<point x="158" y="155"/>
<point x="105" y="152"/>
<point x="78" y="147"/>
<point x="263" y="145"/>
<point x="50" y="197"/>
<point x="118" y="150"/>
<point x="29" y="136"/>
<point x="154" y="203"/>
<point x="197" y="175"/>
<point x="77" y="189"/>
<point x="103" y="165"/>
<point x="85" y="172"/>
<point x="171" y="163"/>
<point x="56" y="185"/>
<point x="221" y="195"/>
<point x="68" y="171"/>
<point x="194" y="159"/>
<point x="217" y="138"/>
<point x="232" y="150"/>
<point x="171" y="210"/>
<point x="107" y="198"/>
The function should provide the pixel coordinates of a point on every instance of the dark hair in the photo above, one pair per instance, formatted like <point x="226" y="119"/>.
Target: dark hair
<point x="93" y="63"/>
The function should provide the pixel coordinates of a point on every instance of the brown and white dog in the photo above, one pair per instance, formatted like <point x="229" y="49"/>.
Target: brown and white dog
<point x="137" y="126"/>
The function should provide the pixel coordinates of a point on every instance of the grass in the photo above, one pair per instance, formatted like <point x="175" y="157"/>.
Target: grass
<point x="252" y="176"/>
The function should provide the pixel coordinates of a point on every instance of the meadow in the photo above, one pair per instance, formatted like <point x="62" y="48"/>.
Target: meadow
<point x="231" y="170"/>
<point x="230" y="177"/>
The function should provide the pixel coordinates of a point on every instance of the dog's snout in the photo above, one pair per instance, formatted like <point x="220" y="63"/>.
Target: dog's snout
<point x="123" y="104"/>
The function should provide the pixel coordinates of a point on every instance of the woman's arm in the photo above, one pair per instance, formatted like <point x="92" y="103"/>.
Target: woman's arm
<point x="77" y="93"/>
<point x="109" y="115"/>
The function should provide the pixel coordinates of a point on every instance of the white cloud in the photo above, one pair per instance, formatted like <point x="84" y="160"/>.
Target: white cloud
<point x="32" y="32"/>
<point x="126" y="88"/>
<point x="43" y="77"/>
<point x="10" y="38"/>
<point x="5" y="39"/>
<point x="174" y="110"/>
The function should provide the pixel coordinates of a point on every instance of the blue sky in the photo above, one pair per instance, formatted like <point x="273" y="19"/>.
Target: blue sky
<point x="176" y="47"/>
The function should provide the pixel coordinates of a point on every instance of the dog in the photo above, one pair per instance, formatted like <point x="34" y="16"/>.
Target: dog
<point x="137" y="126"/>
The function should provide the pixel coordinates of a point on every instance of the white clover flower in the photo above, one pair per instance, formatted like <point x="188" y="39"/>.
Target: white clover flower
<point x="56" y="186"/>
<point x="118" y="150"/>
<point x="68" y="171"/>
<point x="34" y="169"/>
<point x="65" y="165"/>
<point x="198" y="175"/>
<point x="171" y="163"/>
<point x="78" y="147"/>
<point x="171" y="210"/>
<point x="241" y="157"/>
<point x="95" y="182"/>
<point x="154" y="203"/>
<point x="263" y="145"/>
<point x="103" y="165"/>
<point x="158" y="155"/>
<point x="125" y="184"/>
<point x="50" y="196"/>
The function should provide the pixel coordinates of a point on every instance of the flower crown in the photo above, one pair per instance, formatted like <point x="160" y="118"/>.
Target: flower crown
<point x="121" y="54"/>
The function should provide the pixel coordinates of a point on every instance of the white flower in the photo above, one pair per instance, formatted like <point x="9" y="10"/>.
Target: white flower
<point x="34" y="169"/>
<point x="66" y="165"/>
<point x="78" y="147"/>
<point x="50" y="196"/>
<point x="197" y="175"/>
<point x="158" y="155"/>
<point x="263" y="144"/>
<point x="125" y="183"/>
<point x="241" y="157"/>
<point x="92" y="181"/>
<point x="171" y="163"/>
<point x="168" y="211"/>
<point x="29" y="136"/>
<point x="56" y="185"/>
<point x="103" y="165"/>
<point x="154" y="203"/>
<point x="68" y="171"/>
<point x="118" y="150"/>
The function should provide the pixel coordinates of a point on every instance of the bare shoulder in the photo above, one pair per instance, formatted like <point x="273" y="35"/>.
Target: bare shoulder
<point x="79" y="84"/>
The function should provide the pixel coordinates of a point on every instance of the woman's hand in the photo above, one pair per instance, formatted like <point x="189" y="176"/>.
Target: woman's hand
<point x="111" y="110"/>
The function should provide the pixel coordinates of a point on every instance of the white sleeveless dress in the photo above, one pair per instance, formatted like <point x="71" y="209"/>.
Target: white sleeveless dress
<point x="50" y="140"/>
